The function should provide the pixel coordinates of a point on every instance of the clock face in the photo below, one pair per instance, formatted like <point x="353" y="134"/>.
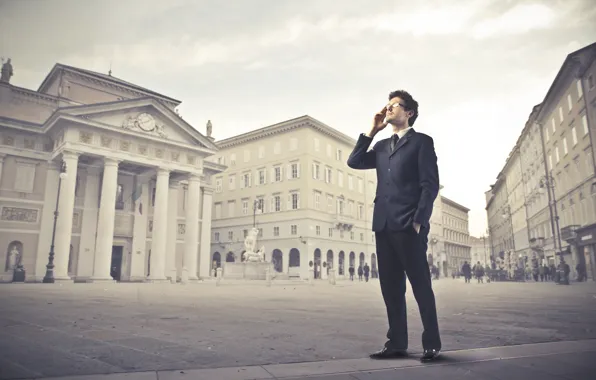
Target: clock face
<point x="146" y="122"/>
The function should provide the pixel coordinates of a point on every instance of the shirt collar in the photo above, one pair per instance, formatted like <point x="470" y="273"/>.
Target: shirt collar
<point x="403" y="132"/>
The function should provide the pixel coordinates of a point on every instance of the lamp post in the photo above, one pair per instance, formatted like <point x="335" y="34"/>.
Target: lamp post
<point x="49" y="277"/>
<point x="549" y="183"/>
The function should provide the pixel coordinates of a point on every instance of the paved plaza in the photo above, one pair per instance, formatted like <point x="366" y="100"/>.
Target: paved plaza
<point x="50" y="330"/>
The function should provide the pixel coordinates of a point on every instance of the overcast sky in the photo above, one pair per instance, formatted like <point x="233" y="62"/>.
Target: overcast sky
<point x="475" y="66"/>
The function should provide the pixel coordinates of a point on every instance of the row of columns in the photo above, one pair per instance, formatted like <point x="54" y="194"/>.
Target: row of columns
<point x="164" y="224"/>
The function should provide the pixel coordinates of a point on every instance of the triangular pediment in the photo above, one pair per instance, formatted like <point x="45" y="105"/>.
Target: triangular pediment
<point x="145" y="117"/>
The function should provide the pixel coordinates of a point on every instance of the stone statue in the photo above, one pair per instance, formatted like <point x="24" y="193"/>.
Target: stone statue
<point x="209" y="128"/>
<point x="6" y="72"/>
<point x="13" y="259"/>
<point x="250" y="242"/>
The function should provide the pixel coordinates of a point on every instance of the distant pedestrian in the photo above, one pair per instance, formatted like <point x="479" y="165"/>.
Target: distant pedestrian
<point x="366" y="272"/>
<point x="467" y="271"/>
<point x="360" y="272"/>
<point x="351" y="270"/>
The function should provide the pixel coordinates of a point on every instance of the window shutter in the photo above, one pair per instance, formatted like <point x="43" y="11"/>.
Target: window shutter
<point x="272" y="206"/>
<point x="298" y="196"/>
<point x="272" y="174"/>
<point x="242" y="182"/>
<point x="264" y="176"/>
<point x="298" y="170"/>
<point x="249" y="179"/>
<point x="289" y="173"/>
<point x="314" y="173"/>
<point x="289" y="203"/>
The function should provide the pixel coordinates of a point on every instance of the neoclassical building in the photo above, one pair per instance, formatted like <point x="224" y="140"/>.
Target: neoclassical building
<point x="135" y="194"/>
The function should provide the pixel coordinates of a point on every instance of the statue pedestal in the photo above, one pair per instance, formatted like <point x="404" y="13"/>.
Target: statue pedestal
<point x="245" y="271"/>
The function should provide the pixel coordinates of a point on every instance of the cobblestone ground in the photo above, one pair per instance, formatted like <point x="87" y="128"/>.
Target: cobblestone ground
<point x="53" y="330"/>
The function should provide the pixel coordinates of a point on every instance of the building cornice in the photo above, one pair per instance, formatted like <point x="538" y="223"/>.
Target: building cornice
<point x="283" y="127"/>
<point x="453" y="203"/>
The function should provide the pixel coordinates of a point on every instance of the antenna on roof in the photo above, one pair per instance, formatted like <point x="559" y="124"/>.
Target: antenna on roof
<point x="110" y="72"/>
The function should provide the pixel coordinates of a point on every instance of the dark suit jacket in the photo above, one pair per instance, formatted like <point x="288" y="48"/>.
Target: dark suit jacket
<point x="407" y="179"/>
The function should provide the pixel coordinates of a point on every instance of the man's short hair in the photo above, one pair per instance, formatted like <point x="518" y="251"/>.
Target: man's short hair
<point x="409" y="103"/>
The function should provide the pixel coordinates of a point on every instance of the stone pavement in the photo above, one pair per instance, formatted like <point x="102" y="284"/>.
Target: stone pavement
<point x="570" y="360"/>
<point x="82" y="329"/>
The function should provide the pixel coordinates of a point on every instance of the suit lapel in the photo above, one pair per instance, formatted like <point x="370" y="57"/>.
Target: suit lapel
<point x="401" y="142"/>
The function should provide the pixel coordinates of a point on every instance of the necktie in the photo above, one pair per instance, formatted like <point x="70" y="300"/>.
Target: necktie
<point x="394" y="139"/>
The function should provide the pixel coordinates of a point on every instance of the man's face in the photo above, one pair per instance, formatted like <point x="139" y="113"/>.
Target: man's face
<point x="396" y="112"/>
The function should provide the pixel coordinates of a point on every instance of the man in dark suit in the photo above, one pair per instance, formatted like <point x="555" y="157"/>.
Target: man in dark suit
<point x="407" y="185"/>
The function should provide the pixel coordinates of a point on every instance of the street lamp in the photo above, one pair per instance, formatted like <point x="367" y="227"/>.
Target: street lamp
<point x="49" y="277"/>
<point x="549" y="183"/>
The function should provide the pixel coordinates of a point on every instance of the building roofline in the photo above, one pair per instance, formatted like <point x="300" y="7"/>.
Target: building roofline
<point x="284" y="126"/>
<point x="564" y="69"/>
<point x="102" y="77"/>
<point x="454" y="203"/>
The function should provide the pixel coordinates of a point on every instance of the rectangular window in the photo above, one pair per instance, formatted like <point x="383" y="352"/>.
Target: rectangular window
<point x="580" y="92"/>
<point x="275" y="231"/>
<point x="585" y="124"/>
<point x="574" y="135"/>
<point x="569" y="102"/>
<point x="294" y="229"/>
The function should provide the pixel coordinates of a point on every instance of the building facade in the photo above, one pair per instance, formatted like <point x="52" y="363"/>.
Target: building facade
<point x="558" y="167"/>
<point x="127" y="174"/>
<point x="515" y="211"/>
<point x="480" y="247"/>
<point x="456" y="234"/>
<point x="499" y="223"/>
<point x="292" y="182"/>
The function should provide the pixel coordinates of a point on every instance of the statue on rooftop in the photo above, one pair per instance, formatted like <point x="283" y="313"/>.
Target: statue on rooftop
<point x="7" y="72"/>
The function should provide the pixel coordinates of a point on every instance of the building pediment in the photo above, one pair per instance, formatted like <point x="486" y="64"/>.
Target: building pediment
<point x="143" y="117"/>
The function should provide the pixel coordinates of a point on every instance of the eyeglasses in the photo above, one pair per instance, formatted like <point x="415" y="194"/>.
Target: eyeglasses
<point x="390" y="106"/>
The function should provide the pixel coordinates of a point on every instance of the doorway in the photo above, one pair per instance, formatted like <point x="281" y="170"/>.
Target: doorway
<point x="116" y="263"/>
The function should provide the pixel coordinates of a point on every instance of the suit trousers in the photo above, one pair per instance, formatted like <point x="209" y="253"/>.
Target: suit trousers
<point x="402" y="253"/>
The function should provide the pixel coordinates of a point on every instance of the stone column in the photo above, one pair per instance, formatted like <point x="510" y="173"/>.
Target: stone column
<point x="160" y="220"/>
<point x="205" y="256"/>
<point x="47" y="220"/>
<point x="105" y="222"/>
<point x="191" y="235"/>
<point x="172" y="231"/>
<point x="1" y="164"/>
<point x="88" y="225"/>
<point x="139" y="236"/>
<point x="64" y="222"/>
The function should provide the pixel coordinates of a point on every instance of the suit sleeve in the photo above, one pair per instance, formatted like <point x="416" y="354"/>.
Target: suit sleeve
<point x="428" y="174"/>
<point x="361" y="157"/>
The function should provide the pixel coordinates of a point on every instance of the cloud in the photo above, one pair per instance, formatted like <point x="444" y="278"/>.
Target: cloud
<point x="518" y="20"/>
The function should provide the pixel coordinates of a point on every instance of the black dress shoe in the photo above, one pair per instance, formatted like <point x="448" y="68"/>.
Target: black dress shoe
<point x="430" y="355"/>
<point x="389" y="353"/>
